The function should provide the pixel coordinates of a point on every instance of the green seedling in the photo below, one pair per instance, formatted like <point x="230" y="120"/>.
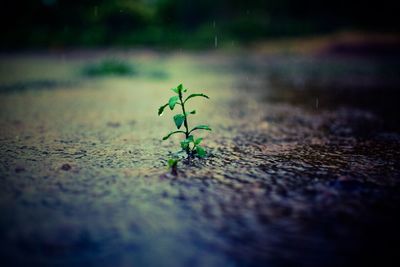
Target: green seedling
<point x="173" y="166"/>
<point x="189" y="144"/>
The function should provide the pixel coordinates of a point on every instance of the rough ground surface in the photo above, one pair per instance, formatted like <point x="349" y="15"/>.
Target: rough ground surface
<point x="303" y="166"/>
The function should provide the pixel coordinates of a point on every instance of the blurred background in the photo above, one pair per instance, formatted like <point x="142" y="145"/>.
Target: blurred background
<point x="182" y="23"/>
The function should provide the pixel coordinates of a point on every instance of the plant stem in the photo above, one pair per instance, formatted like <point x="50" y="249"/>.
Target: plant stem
<point x="185" y="123"/>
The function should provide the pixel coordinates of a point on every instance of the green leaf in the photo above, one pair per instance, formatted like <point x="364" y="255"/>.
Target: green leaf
<point x="195" y="95"/>
<point x="180" y="88"/>
<point x="171" y="133"/>
<point x="201" y="127"/>
<point x="179" y="119"/>
<point x="172" y="163"/>
<point x="191" y="112"/>
<point x="172" y="102"/>
<point x="175" y="90"/>
<point x="201" y="152"/>
<point x="161" y="109"/>
<point x="198" y="141"/>
<point x="185" y="144"/>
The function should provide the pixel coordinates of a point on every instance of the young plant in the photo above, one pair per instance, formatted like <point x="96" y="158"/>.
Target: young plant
<point x="189" y="144"/>
<point x="173" y="166"/>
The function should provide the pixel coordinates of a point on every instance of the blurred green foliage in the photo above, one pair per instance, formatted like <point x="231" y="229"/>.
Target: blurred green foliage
<point x="119" y="67"/>
<point x="180" y="23"/>
<point x="109" y="67"/>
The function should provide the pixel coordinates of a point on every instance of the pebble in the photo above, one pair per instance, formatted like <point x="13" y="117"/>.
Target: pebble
<point x="66" y="167"/>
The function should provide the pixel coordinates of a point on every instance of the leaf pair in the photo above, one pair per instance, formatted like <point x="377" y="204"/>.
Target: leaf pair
<point x="179" y="89"/>
<point x="191" y="144"/>
<point x="189" y="140"/>
<point x="171" y="103"/>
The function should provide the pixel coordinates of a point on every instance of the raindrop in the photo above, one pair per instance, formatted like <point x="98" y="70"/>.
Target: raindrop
<point x="214" y="24"/>
<point x="216" y="41"/>
<point x="316" y="102"/>
<point x="95" y="11"/>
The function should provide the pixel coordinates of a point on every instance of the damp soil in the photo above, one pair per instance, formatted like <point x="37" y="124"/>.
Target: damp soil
<point x="296" y="174"/>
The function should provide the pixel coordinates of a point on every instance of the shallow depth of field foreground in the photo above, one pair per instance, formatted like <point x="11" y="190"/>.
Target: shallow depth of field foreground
<point x="302" y="169"/>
